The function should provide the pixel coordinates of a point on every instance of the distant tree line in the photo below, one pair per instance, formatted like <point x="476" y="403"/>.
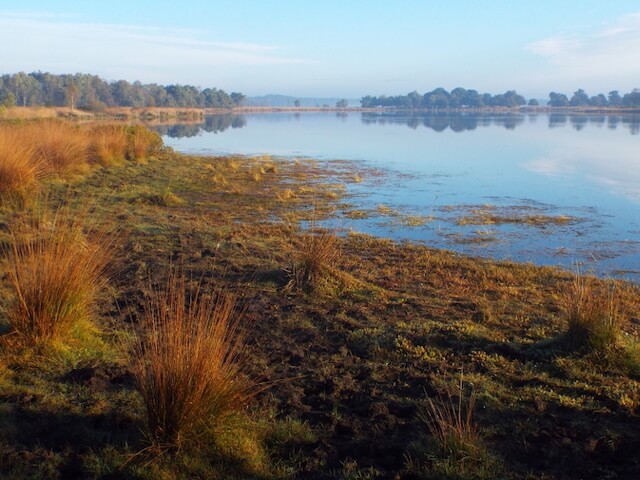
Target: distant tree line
<point x="94" y="93"/>
<point x="580" y="98"/>
<point x="440" y="98"/>
<point x="463" y="98"/>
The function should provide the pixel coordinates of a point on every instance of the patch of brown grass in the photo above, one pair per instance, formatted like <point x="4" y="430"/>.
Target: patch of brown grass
<point x="28" y="113"/>
<point x="456" y="449"/>
<point x="60" y="146"/>
<point x="108" y="144"/>
<point x="55" y="273"/>
<point x="314" y="259"/>
<point x="451" y="424"/>
<point x="142" y="142"/>
<point x="19" y="172"/>
<point x="188" y="365"/>
<point x="593" y="318"/>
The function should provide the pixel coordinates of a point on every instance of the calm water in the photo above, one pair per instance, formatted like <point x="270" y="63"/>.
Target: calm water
<point x="443" y="168"/>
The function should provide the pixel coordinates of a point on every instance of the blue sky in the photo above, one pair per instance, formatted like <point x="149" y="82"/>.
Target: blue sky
<point x="332" y="48"/>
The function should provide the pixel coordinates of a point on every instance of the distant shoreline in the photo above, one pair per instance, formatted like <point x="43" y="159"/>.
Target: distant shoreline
<point x="162" y="114"/>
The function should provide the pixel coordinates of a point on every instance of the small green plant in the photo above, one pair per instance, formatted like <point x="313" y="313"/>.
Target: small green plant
<point x="188" y="365"/>
<point x="593" y="319"/>
<point x="451" y="425"/>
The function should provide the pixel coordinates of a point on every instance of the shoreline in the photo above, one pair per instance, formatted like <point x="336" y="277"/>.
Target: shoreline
<point x="165" y="114"/>
<point x="351" y="356"/>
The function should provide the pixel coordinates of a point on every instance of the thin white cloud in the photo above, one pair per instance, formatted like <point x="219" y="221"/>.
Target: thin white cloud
<point x="606" y="54"/>
<point x="555" y="46"/>
<point x="610" y="164"/>
<point x="127" y="51"/>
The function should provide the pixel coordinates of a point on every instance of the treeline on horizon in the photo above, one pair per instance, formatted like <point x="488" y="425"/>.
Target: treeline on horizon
<point x="463" y="98"/>
<point x="93" y="93"/>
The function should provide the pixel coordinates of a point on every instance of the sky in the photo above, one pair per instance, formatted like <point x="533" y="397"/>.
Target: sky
<point x="332" y="48"/>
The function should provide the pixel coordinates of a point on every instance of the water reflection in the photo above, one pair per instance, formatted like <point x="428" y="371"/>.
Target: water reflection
<point x="584" y="167"/>
<point x="212" y="124"/>
<point x="438" y="122"/>
<point x="460" y="122"/>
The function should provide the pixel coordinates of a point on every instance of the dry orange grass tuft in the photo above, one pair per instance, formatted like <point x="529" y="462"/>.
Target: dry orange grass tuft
<point x="108" y="144"/>
<point x="29" y="113"/>
<point x="454" y="432"/>
<point x="142" y="142"/>
<point x="19" y="173"/>
<point x="315" y="258"/>
<point x="55" y="272"/>
<point x="188" y="365"/>
<point x="58" y="145"/>
<point x="593" y="317"/>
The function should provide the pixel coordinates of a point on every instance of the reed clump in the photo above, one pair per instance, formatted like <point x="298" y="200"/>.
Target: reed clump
<point x="452" y="427"/>
<point x="60" y="146"/>
<point x="31" y="151"/>
<point x="141" y="142"/>
<point x="188" y="364"/>
<point x="19" y="171"/>
<point x="456" y="448"/>
<point x="109" y="144"/>
<point x="592" y="313"/>
<point x="55" y="272"/>
<point x="314" y="259"/>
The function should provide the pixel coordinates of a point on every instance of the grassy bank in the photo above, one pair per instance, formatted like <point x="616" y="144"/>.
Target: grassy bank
<point x="357" y="357"/>
<point x="149" y="114"/>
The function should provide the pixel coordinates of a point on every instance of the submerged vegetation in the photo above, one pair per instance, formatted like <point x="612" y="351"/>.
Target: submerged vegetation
<point x="345" y="361"/>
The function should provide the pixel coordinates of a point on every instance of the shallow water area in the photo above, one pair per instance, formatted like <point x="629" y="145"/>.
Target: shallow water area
<point x="550" y="189"/>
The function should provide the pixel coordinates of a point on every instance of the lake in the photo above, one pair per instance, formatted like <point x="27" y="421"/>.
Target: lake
<point x="545" y="188"/>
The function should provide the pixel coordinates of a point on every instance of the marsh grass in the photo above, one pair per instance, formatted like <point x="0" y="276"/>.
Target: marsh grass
<point x="451" y="424"/>
<point x="60" y="146"/>
<point x="141" y="143"/>
<point x="19" y="172"/>
<point x="188" y="363"/>
<point x="516" y="215"/>
<point x="315" y="255"/>
<point x="456" y="449"/>
<point x="592" y="313"/>
<point x="55" y="272"/>
<point x="108" y="144"/>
